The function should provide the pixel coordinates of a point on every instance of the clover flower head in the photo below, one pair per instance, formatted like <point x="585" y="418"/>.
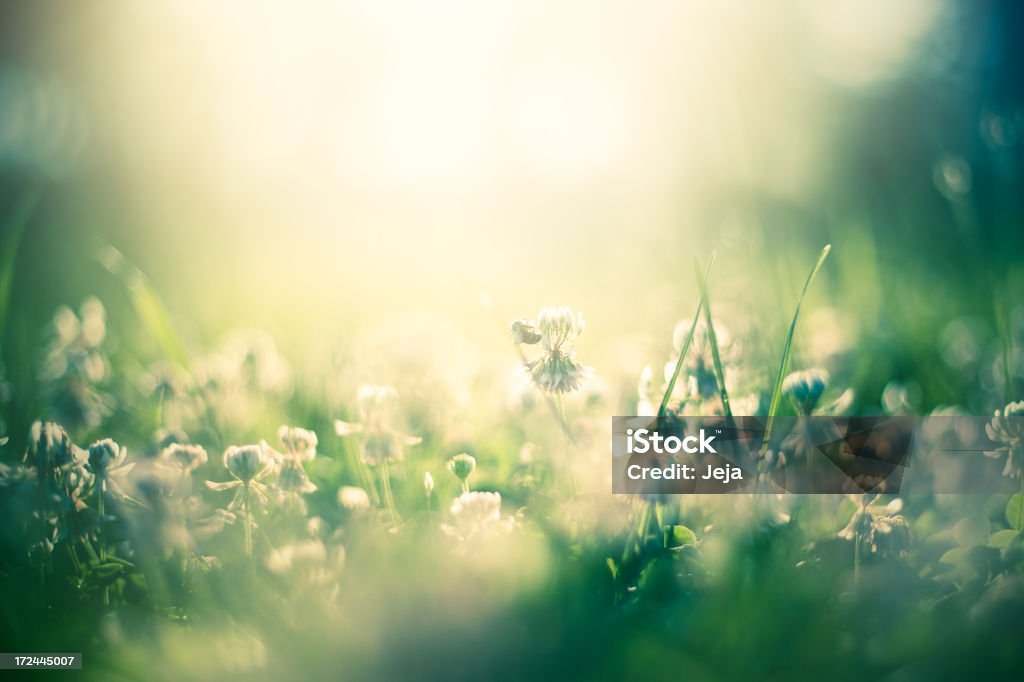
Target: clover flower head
<point x="805" y="388"/>
<point x="1006" y="430"/>
<point x="74" y="364"/>
<point x="462" y="465"/>
<point x="559" y="327"/>
<point x="353" y="499"/>
<point x="292" y="478"/>
<point x="476" y="508"/>
<point x="890" y="536"/>
<point x="556" y="329"/>
<point x="377" y="403"/>
<point x="184" y="457"/>
<point x="699" y="353"/>
<point x="428" y="484"/>
<point x="248" y="463"/>
<point x="285" y="559"/>
<point x="381" y="440"/>
<point x="50" y="448"/>
<point x="887" y="532"/>
<point x="106" y="459"/>
<point x="557" y="372"/>
<point x="298" y="442"/>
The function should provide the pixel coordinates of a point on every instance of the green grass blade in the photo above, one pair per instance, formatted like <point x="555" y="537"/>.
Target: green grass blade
<point x="686" y="346"/>
<point x="147" y="303"/>
<point x="14" y="228"/>
<point x="773" y="407"/>
<point x="713" y="340"/>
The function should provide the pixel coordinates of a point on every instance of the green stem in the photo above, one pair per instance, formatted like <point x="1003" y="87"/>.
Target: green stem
<point x="247" y="519"/>
<point x="560" y="411"/>
<point x="856" y="559"/>
<point x="101" y="510"/>
<point x="74" y="558"/>
<point x="388" y="498"/>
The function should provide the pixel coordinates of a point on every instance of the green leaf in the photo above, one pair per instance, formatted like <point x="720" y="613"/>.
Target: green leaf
<point x="678" y="536"/>
<point x="713" y="340"/>
<point x="613" y="568"/>
<point x="1002" y="538"/>
<point x="773" y="406"/>
<point x="1015" y="511"/>
<point x="685" y="347"/>
<point x="971" y="531"/>
<point x="104" y="571"/>
<point x="955" y="556"/>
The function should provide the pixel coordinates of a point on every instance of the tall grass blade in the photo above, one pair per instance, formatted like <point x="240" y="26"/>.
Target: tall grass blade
<point x="686" y="345"/>
<point x="713" y="340"/>
<point x="147" y="303"/>
<point x="14" y="229"/>
<point x="773" y="406"/>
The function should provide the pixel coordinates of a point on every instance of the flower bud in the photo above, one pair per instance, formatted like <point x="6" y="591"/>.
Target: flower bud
<point x="353" y="499"/>
<point x="462" y="465"/>
<point x="428" y="484"/>
<point x="524" y="331"/>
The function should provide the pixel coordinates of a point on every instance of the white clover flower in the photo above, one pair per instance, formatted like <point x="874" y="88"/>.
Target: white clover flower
<point x="556" y="370"/>
<point x="74" y="365"/>
<point x="886" y="532"/>
<point x="477" y="515"/>
<point x="428" y="484"/>
<point x="50" y="449"/>
<point x="559" y="327"/>
<point x="381" y="440"/>
<point x="298" y="442"/>
<point x="1007" y="430"/>
<point x="292" y="478"/>
<point x="184" y="457"/>
<point x="106" y="461"/>
<point x="476" y="508"/>
<point x="249" y="464"/>
<point x="353" y="499"/>
<point x="308" y="562"/>
<point x="289" y="557"/>
<point x="805" y="388"/>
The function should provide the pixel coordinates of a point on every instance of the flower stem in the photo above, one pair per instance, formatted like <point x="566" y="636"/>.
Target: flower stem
<point x="100" y="509"/>
<point x="247" y="518"/>
<point x="560" y="413"/>
<point x="388" y="498"/>
<point x="856" y="560"/>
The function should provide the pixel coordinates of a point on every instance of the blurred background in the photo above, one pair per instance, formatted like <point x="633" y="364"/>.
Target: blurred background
<point x="381" y="187"/>
<point x="329" y="169"/>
